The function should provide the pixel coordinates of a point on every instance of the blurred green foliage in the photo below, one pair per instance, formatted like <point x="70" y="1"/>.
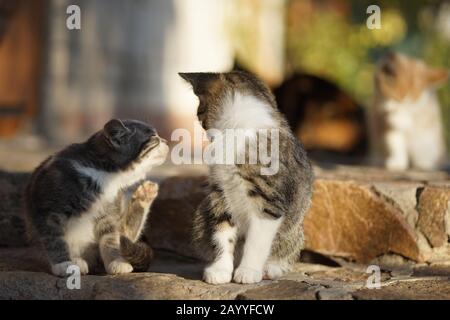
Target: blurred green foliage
<point x="331" y="39"/>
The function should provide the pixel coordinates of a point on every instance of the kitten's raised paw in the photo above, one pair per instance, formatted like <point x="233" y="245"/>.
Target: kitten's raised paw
<point x="215" y="275"/>
<point x="62" y="269"/>
<point x="119" y="266"/>
<point x="146" y="193"/>
<point x="247" y="275"/>
<point x="273" y="271"/>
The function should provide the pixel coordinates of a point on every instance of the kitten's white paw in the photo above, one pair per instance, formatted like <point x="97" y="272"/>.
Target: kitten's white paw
<point x="273" y="270"/>
<point x="394" y="164"/>
<point x="119" y="266"/>
<point x="247" y="275"/>
<point x="217" y="275"/>
<point x="60" y="269"/>
<point x="82" y="264"/>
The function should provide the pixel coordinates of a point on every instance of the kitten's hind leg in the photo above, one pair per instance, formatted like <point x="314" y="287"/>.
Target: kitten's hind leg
<point x="274" y="269"/>
<point x="108" y="234"/>
<point x="51" y="232"/>
<point x="285" y="250"/>
<point x="110" y="252"/>
<point x="214" y="230"/>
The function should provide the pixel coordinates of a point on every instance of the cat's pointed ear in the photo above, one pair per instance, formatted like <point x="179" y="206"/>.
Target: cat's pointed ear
<point x="436" y="76"/>
<point x="114" y="131"/>
<point x="202" y="82"/>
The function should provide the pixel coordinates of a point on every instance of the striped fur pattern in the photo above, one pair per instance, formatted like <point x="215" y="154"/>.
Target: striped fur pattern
<point x="89" y="203"/>
<point x="250" y="225"/>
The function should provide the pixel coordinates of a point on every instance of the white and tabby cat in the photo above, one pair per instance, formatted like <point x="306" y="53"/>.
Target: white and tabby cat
<point x="259" y="216"/>
<point x="79" y="201"/>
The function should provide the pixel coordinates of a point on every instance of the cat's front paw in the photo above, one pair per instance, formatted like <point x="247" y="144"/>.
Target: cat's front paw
<point x="145" y="193"/>
<point x="62" y="269"/>
<point x="394" y="164"/>
<point x="217" y="275"/>
<point x="247" y="275"/>
<point x="273" y="271"/>
<point x="119" y="266"/>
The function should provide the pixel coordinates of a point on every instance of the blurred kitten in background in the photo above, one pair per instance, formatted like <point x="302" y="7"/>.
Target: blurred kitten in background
<point x="406" y="123"/>
<point x="329" y="122"/>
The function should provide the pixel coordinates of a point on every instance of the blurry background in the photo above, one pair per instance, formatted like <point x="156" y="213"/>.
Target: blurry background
<point x="59" y="85"/>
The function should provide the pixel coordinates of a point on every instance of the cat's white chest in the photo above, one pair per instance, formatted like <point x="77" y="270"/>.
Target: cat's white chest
<point x="397" y="115"/>
<point x="241" y="112"/>
<point x="404" y="115"/>
<point x="80" y="230"/>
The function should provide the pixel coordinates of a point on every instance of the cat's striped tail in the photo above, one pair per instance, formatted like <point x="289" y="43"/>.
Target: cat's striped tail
<point x="139" y="254"/>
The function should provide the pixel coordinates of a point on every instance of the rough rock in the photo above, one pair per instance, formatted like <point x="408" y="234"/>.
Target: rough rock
<point x="152" y="286"/>
<point x="12" y="209"/>
<point x="414" y="289"/>
<point x="281" y="290"/>
<point x="348" y="219"/>
<point x="348" y="275"/>
<point x="434" y="214"/>
<point x="376" y="174"/>
<point x="334" y="294"/>
<point x="23" y="259"/>
<point x="402" y="195"/>
<point x="24" y="276"/>
<point x="433" y="270"/>
<point x="171" y="214"/>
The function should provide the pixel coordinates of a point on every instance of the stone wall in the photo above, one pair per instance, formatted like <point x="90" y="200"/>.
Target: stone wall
<point x="358" y="218"/>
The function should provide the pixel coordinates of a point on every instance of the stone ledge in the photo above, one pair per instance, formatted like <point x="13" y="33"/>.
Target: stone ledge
<point x="358" y="220"/>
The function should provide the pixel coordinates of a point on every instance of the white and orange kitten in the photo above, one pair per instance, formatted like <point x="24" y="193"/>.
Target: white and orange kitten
<point x="406" y="122"/>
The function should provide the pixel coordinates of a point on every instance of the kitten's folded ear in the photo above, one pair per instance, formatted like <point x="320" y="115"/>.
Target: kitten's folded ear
<point x="202" y="82"/>
<point x="436" y="76"/>
<point x="114" y="131"/>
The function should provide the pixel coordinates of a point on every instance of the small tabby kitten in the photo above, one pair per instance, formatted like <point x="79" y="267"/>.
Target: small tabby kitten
<point x="83" y="203"/>
<point x="264" y="211"/>
<point x="406" y="121"/>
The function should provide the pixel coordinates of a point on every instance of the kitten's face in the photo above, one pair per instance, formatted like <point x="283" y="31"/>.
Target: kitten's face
<point x="399" y="76"/>
<point x="212" y="90"/>
<point x="130" y="142"/>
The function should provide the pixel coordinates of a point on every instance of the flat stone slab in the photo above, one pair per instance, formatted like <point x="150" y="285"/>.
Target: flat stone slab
<point x="281" y="290"/>
<point x="24" y="275"/>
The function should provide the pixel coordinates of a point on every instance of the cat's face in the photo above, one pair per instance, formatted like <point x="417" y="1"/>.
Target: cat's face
<point x="399" y="77"/>
<point x="131" y="142"/>
<point x="213" y="90"/>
